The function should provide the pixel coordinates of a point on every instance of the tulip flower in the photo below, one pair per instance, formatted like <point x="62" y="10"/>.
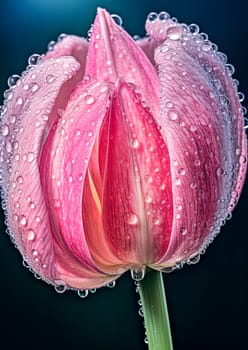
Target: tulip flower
<point x="122" y="155"/>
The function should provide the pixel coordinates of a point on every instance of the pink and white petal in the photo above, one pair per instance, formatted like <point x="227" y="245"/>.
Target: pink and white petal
<point x="71" y="45"/>
<point x="202" y="122"/>
<point x="29" y="112"/>
<point x="65" y="163"/>
<point x="135" y="167"/>
<point x="114" y="55"/>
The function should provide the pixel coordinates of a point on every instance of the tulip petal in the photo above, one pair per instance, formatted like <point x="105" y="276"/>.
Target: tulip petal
<point x="114" y="55"/>
<point x="135" y="167"/>
<point x="65" y="162"/>
<point x="202" y="122"/>
<point x="32" y="106"/>
<point x="71" y="45"/>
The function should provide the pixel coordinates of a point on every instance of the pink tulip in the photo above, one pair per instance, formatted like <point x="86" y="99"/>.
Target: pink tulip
<point x="119" y="154"/>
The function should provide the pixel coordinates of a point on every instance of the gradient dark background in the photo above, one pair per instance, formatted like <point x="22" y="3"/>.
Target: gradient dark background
<point x="207" y="302"/>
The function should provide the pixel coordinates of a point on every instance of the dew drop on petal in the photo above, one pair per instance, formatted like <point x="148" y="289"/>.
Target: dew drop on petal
<point x="152" y="16"/>
<point x="30" y="235"/>
<point x="13" y="80"/>
<point x="131" y="219"/>
<point x="89" y="99"/>
<point x="34" y="59"/>
<point x="118" y="20"/>
<point x="5" y="130"/>
<point x="174" y="33"/>
<point x="172" y="115"/>
<point x="23" y="220"/>
<point x="50" y="78"/>
<point x="138" y="274"/>
<point x="83" y="293"/>
<point x="111" y="284"/>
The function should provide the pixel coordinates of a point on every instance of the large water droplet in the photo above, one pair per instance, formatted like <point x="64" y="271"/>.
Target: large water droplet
<point x="30" y="235"/>
<point x="118" y="20"/>
<point x="60" y="288"/>
<point x="13" y="80"/>
<point x="23" y="220"/>
<point x="152" y="16"/>
<point x="83" y="293"/>
<point x="138" y="273"/>
<point x="111" y="284"/>
<point x="194" y="29"/>
<point x="174" y="33"/>
<point x="34" y="59"/>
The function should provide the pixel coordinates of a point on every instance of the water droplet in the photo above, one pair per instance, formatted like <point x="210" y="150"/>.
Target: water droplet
<point x="19" y="101"/>
<point x="111" y="284"/>
<point x="118" y="20"/>
<point x="163" y="16"/>
<point x="50" y="78"/>
<point x="134" y="143"/>
<point x="172" y="115"/>
<point x="34" y="252"/>
<point x="89" y="133"/>
<point x="83" y="293"/>
<point x="92" y="290"/>
<point x="230" y="69"/>
<point x="23" y="220"/>
<point x="164" y="48"/>
<point x="152" y="16"/>
<point x="8" y="146"/>
<point x="51" y="45"/>
<point x="183" y="230"/>
<point x="60" y="288"/>
<point x="30" y="235"/>
<point x="13" y="80"/>
<point x="31" y="205"/>
<point x="30" y="157"/>
<point x="5" y="130"/>
<point x="3" y="110"/>
<point x="242" y="159"/>
<point x="34" y="87"/>
<point x="34" y="59"/>
<point x="148" y="199"/>
<point x="197" y="162"/>
<point x="89" y="99"/>
<point x="174" y="33"/>
<point x="62" y="36"/>
<point x="156" y="221"/>
<point x="141" y="312"/>
<point x="138" y="273"/>
<point x="194" y="260"/>
<point x="194" y="29"/>
<point x="178" y="182"/>
<point x="181" y="171"/>
<point x="131" y="219"/>
<point x="206" y="47"/>
<point x="8" y="95"/>
<point x="19" y="179"/>
<point x="193" y="185"/>
<point x="241" y="96"/>
<point x="192" y="128"/>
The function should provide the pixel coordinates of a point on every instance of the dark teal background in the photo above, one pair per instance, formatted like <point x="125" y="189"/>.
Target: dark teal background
<point x="208" y="302"/>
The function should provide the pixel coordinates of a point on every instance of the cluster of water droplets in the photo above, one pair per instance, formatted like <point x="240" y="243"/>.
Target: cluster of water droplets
<point x="199" y="46"/>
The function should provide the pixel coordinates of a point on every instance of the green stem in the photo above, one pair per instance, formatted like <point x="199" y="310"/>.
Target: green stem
<point x="157" y="323"/>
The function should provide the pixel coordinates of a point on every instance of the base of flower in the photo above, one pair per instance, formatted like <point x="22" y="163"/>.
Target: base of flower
<point x="155" y="311"/>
